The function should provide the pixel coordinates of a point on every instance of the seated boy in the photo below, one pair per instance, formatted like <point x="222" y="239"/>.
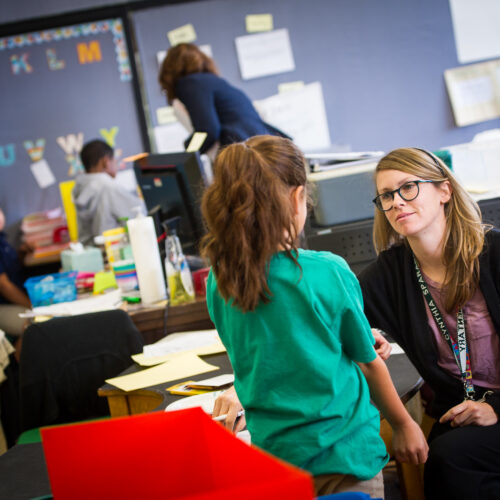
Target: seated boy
<point x="99" y="200"/>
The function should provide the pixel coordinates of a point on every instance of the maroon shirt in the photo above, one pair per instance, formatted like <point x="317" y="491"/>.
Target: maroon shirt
<point x="482" y="340"/>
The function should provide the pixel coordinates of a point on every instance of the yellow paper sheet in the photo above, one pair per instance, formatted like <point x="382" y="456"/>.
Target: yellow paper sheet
<point x="183" y="34"/>
<point x="183" y="366"/>
<point x="214" y="348"/>
<point x="196" y="142"/>
<point x="259" y="22"/>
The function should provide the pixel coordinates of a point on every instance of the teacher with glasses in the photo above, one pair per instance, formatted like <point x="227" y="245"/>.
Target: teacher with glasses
<point x="435" y="289"/>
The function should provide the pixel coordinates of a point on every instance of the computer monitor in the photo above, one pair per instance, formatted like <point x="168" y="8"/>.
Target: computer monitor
<point x="172" y="185"/>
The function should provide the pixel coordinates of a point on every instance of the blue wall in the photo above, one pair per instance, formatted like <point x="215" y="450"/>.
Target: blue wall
<point x="380" y="63"/>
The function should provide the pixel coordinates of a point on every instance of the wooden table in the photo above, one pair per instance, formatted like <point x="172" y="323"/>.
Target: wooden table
<point x="23" y="473"/>
<point x="155" y="322"/>
<point x="121" y="403"/>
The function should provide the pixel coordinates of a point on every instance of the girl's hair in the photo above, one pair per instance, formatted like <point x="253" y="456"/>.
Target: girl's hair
<point x="464" y="235"/>
<point x="249" y="215"/>
<point x="182" y="60"/>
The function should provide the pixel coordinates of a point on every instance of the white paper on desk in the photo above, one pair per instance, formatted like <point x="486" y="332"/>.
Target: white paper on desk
<point x="214" y="348"/>
<point x="264" y="54"/>
<point x="183" y="366"/>
<point x="301" y="114"/>
<point x="42" y="173"/>
<point x="110" y="300"/>
<point x="183" y="341"/>
<point x="396" y="349"/>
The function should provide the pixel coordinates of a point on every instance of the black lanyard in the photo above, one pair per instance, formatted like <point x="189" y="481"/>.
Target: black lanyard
<point x="459" y="348"/>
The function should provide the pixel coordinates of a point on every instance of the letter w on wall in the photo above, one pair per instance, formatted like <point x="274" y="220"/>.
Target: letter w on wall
<point x="89" y="53"/>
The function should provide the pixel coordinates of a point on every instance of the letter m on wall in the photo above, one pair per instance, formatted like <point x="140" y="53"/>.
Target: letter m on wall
<point x="89" y="52"/>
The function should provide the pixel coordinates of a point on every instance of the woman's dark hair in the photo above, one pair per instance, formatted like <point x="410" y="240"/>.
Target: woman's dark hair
<point x="182" y="60"/>
<point x="250" y="216"/>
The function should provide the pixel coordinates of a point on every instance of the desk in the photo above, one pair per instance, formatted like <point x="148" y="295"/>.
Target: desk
<point x="150" y="321"/>
<point x="121" y="403"/>
<point x="23" y="473"/>
<point x="152" y="398"/>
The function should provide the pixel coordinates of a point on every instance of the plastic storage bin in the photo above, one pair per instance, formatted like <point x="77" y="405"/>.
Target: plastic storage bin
<point x="100" y="463"/>
<point x="51" y="288"/>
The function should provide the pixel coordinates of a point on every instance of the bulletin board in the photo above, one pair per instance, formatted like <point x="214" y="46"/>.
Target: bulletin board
<point x="59" y="89"/>
<point x="380" y="64"/>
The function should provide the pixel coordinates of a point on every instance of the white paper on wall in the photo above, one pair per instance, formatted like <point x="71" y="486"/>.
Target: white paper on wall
<point x="264" y="54"/>
<point x="126" y="179"/>
<point x="474" y="92"/>
<point x="170" y="138"/>
<point x="299" y="113"/>
<point x="476" y="25"/>
<point x="42" y="173"/>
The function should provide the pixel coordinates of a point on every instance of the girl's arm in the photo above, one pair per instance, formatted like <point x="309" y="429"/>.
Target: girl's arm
<point x="408" y="441"/>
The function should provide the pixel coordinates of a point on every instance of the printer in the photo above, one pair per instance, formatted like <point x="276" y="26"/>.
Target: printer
<point x="343" y="192"/>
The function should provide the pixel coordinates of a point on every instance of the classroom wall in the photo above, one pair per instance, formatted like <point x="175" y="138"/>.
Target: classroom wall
<point x="60" y="89"/>
<point x="380" y="64"/>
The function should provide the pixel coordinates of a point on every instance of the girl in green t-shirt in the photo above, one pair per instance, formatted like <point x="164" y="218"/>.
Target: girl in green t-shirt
<point x="293" y="325"/>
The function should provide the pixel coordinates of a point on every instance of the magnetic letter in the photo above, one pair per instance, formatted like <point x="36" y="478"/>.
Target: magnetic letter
<point x="71" y="143"/>
<point x="52" y="60"/>
<point x="18" y="63"/>
<point x="109" y="135"/>
<point x="35" y="150"/>
<point x="89" y="53"/>
<point x="7" y="155"/>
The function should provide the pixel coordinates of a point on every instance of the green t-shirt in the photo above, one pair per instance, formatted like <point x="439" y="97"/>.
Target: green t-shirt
<point x="306" y="400"/>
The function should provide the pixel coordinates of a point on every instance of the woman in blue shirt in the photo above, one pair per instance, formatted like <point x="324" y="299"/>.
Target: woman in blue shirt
<point x="214" y="106"/>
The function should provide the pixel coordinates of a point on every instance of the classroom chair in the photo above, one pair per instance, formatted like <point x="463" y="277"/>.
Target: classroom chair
<point x="64" y="361"/>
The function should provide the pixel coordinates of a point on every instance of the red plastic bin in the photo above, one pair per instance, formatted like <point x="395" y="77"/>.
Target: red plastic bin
<point x="164" y="455"/>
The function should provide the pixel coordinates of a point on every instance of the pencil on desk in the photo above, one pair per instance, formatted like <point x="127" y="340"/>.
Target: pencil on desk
<point x="223" y="417"/>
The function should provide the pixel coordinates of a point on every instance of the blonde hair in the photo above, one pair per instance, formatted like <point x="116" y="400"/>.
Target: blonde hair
<point x="249" y="215"/>
<point x="464" y="235"/>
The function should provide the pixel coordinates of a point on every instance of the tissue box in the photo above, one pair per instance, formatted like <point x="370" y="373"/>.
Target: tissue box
<point x="89" y="260"/>
<point x="51" y="288"/>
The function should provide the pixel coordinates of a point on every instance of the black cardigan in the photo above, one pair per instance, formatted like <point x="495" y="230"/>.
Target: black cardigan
<point x="395" y="304"/>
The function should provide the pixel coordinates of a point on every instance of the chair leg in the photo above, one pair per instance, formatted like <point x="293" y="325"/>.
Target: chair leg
<point x="410" y="481"/>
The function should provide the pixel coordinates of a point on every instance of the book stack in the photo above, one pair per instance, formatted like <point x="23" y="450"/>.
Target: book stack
<point x="45" y="232"/>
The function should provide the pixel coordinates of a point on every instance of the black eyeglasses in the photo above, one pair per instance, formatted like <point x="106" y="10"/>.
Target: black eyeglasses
<point x="408" y="191"/>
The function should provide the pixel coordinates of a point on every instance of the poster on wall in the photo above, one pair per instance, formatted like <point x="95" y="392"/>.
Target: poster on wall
<point x="476" y="29"/>
<point x="61" y="88"/>
<point x="301" y="114"/>
<point x="474" y="92"/>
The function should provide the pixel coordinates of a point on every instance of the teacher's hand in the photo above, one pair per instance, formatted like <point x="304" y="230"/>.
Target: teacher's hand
<point x="382" y="346"/>
<point x="470" y="413"/>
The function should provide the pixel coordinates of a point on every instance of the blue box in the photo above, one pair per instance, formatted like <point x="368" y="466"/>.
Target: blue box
<point x="51" y="288"/>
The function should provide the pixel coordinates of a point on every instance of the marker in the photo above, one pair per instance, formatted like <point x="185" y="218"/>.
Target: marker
<point x="223" y="417"/>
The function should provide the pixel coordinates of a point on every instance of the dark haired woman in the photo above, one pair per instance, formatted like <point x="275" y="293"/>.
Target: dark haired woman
<point x="435" y="288"/>
<point x="214" y="106"/>
<point x="293" y="325"/>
